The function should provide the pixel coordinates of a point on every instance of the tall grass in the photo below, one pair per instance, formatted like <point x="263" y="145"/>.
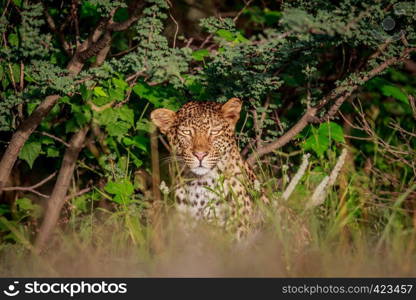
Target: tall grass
<point x="353" y="233"/>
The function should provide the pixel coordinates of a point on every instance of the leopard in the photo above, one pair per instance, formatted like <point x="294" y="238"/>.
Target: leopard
<point x="218" y="181"/>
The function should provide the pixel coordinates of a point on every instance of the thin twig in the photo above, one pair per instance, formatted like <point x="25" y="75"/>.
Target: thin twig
<point x="189" y="42"/>
<point x="124" y="51"/>
<point x="241" y="10"/>
<point x="59" y="32"/>
<point x="53" y="137"/>
<point x="79" y="193"/>
<point x="176" y="31"/>
<point x="22" y="76"/>
<point x="33" y="187"/>
<point x="5" y="8"/>
<point x="340" y="94"/>
<point x="135" y="75"/>
<point x="207" y="39"/>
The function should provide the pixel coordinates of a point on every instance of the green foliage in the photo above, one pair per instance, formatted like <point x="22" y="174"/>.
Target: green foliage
<point x="122" y="191"/>
<point x="30" y="152"/>
<point x="320" y="138"/>
<point x="159" y="96"/>
<point x="279" y="57"/>
<point x="263" y="16"/>
<point x="200" y="54"/>
<point x="25" y="207"/>
<point x="388" y="88"/>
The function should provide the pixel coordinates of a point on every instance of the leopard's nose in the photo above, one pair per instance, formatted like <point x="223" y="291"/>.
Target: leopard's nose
<point x="200" y="155"/>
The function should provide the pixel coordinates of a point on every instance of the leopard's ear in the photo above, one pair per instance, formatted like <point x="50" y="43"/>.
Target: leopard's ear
<point x="163" y="118"/>
<point x="231" y="110"/>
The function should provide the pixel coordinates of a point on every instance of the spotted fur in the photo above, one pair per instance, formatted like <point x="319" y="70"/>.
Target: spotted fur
<point x="201" y="135"/>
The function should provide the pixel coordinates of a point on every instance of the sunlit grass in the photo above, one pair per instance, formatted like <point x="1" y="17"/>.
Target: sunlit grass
<point x="350" y="235"/>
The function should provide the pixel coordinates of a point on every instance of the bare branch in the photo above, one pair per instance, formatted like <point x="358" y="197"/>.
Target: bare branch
<point x="53" y="137"/>
<point x="29" y="125"/>
<point x="58" y="32"/>
<point x="237" y="16"/>
<point x="76" y="63"/>
<point x="284" y="139"/>
<point x="79" y="193"/>
<point x="412" y="102"/>
<point x="32" y="188"/>
<point x="126" y="24"/>
<point x="176" y="30"/>
<point x="5" y="8"/>
<point x="22" y="76"/>
<point x="21" y="135"/>
<point x="95" y="48"/>
<point x="340" y="94"/>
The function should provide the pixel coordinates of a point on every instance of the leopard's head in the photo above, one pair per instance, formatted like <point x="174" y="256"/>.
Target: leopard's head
<point x="201" y="133"/>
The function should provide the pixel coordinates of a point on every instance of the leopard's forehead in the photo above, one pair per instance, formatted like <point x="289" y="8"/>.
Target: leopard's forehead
<point x="199" y="113"/>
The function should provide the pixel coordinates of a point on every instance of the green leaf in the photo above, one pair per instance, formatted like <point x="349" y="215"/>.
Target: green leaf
<point x="318" y="143"/>
<point x="80" y="203"/>
<point x="18" y="3"/>
<point x="4" y="209"/>
<point x="100" y="101"/>
<point x="71" y="126"/>
<point x="98" y="91"/>
<point x="116" y="94"/>
<point x="85" y="92"/>
<point x="332" y="130"/>
<point x="118" y="199"/>
<point x="240" y="38"/>
<point x="13" y="40"/>
<point x="30" y="152"/>
<point x="65" y="100"/>
<point x="4" y="83"/>
<point x="159" y="96"/>
<point x="140" y="142"/>
<point x="45" y="140"/>
<point x="88" y="10"/>
<point x="82" y="114"/>
<point x="126" y="114"/>
<point x="395" y="92"/>
<point x="320" y="139"/>
<point x="52" y="152"/>
<point x="122" y="187"/>
<point x="272" y="16"/>
<point x="200" y="54"/>
<point x="226" y="34"/>
<point x="121" y="15"/>
<point x="145" y="91"/>
<point x="144" y="125"/>
<point x="137" y="162"/>
<point x="120" y="84"/>
<point x="118" y="129"/>
<point x="26" y="206"/>
<point x="105" y="117"/>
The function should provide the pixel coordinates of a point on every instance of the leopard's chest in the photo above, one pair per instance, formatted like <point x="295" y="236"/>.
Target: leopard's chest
<point x="204" y="198"/>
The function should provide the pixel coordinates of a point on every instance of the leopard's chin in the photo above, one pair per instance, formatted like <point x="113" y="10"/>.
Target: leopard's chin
<point x="200" y="171"/>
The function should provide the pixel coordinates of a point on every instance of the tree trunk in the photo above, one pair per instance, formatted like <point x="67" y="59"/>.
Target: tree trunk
<point x="30" y="124"/>
<point x="58" y="196"/>
<point x="20" y="137"/>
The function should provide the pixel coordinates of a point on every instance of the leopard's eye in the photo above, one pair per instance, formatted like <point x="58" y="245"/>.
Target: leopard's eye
<point x="185" y="132"/>
<point x="215" y="131"/>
